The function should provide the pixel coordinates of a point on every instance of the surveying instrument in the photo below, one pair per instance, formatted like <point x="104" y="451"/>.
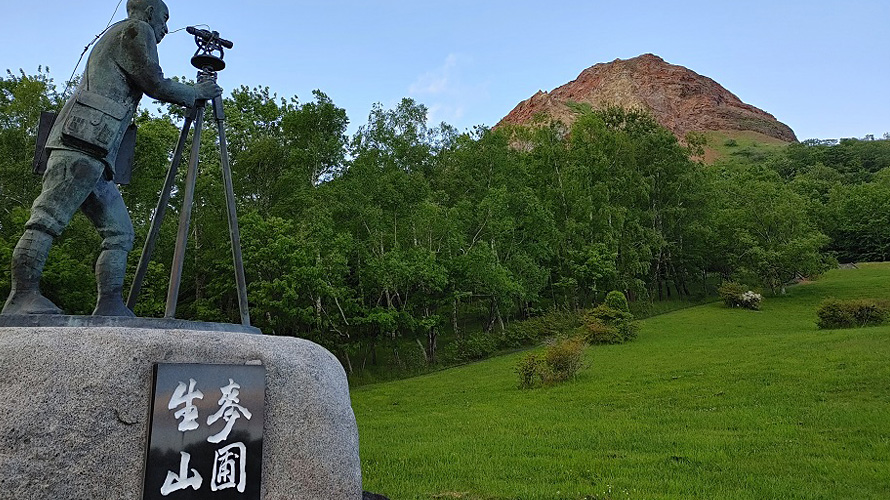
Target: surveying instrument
<point x="208" y="59"/>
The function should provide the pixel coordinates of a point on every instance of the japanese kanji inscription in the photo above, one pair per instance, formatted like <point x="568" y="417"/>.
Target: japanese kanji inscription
<point x="206" y="438"/>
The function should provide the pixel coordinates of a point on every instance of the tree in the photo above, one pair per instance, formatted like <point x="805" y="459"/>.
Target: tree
<point x="859" y="220"/>
<point x="763" y="228"/>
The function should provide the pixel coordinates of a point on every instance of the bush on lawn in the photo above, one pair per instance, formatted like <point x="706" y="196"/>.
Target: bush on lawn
<point x="834" y="313"/>
<point x="530" y="371"/>
<point x="738" y="295"/>
<point x="564" y="359"/>
<point x="556" y="323"/>
<point x="561" y="361"/>
<point x="617" y="300"/>
<point x="607" y="325"/>
<point x="471" y="347"/>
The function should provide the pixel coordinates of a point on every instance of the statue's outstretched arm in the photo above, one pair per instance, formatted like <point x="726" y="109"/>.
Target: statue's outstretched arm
<point x="140" y="63"/>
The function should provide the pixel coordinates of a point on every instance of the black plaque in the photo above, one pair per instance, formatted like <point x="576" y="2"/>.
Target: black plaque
<point x="206" y="434"/>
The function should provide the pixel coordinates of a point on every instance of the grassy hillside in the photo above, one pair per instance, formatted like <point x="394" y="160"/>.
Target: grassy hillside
<point x="725" y="143"/>
<point x="707" y="403"/>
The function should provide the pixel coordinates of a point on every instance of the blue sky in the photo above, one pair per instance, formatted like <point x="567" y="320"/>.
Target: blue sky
<point x="819" y="66"/>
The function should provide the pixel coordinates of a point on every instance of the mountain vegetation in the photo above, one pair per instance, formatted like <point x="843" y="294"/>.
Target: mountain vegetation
<point x="409" y="245"/>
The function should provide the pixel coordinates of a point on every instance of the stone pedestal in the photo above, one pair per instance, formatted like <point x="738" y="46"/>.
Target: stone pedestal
<point x="74" y="410"/>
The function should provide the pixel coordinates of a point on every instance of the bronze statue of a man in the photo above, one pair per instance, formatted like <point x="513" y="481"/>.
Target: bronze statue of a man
<point x="83" y="147"/>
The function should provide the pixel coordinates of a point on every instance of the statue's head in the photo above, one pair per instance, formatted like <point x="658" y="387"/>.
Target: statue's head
<point x="154" y="12"/>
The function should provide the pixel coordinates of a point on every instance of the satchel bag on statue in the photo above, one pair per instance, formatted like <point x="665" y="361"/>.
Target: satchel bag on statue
<point x="93" y="124"/>
<point x="125" y="155"/>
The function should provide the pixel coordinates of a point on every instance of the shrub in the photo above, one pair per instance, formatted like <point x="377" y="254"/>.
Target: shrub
<point x="750" y="300"/>
<point x="474" y="346"/>
<point x="730" y="143"/>
<point x="607" y="325"/>
<point x="834" y="313"/>
<point x="556" y="323"/>
<point x="564" y="359"/>
<point x="561" y="361"/>
<point x="737" y="295"/>
<point x="597" y="332"/>
<point x="730" y="291"/>
<point x="530" y="372"/>
<point x="518" y="334"/>
<point x="617" y="300"/>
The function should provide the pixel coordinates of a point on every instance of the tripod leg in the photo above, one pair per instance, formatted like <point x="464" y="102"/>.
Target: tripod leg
<point x="234" y="233"/>
<point x="186" y="216"/>
<point x="158" y="217"/>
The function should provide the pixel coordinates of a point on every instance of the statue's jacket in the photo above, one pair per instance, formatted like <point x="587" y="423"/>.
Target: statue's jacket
<point x="121" y="68"/>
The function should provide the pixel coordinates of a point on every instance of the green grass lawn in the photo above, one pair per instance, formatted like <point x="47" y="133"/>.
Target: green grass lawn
<point x="708" y="402"/>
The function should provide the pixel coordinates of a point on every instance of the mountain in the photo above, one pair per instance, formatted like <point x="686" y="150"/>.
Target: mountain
<point x="678" y="98"/>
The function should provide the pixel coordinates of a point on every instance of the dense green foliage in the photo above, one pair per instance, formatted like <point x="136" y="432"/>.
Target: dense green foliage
<point x="708" y="402"/>
<point x="856" y="313"/>
<point x="422" y="245"/>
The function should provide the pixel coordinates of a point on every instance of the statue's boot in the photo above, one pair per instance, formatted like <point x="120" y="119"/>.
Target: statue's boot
<point x="110" y="269"/>
<point x="28" y="260"/>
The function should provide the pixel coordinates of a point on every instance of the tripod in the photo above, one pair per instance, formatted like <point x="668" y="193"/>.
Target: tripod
<point x="209" y="64"/>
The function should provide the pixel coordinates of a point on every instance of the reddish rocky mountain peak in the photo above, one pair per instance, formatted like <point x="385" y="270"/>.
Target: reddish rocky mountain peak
<point x="680" y="99"/>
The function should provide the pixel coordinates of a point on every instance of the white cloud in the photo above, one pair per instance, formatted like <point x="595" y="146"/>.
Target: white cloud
<point x="437" y="81"/>
<point x="444" y="91"/>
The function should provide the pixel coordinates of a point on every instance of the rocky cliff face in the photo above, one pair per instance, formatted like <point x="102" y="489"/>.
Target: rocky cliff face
<point x="678" y="98"/>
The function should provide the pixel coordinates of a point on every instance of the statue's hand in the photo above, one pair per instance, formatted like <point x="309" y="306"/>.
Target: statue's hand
<point x="207" y="90"/>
